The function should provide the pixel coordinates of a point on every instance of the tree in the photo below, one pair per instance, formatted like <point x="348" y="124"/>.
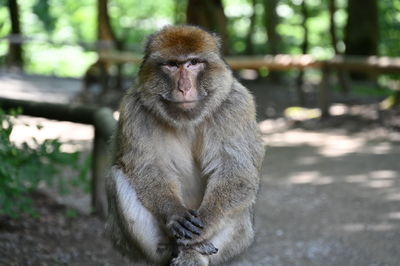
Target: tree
<point x="332" y="25"/>
<point x="362" y="31"/>
<point x="250" y="32"/>
<point x="304" y="48"/>
<point x="15" y="52"/>
<point x="209" y="15"/>
<point x="105" y="34"/>
<point x="271" y="21"/>
<point x="108" y="41"/>
<point x="334" y="41"/>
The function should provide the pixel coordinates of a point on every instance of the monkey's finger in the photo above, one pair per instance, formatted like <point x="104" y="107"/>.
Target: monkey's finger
<point x="177" y="230"/>
<point x="189" y="226"/>
<point x="194" y="220"/>
<point x="180" y="231"/>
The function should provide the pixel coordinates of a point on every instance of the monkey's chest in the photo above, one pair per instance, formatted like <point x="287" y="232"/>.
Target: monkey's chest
<point x="179" y="160"/>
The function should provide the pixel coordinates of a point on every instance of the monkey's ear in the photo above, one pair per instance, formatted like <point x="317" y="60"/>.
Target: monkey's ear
<point x="218" y="41"/>
<point x="149" y="42"/>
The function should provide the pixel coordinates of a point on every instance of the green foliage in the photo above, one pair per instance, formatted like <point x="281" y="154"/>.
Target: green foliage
<point x="4" y="30"/>
<point x="368" y="90"/>
<point x="42" y="9"/>
<point x="71" y="213"/>
<point x="389" y="20"/>
<point x="131" y="21"/>
<point x="70" y="22"/>
<point x="24" y="168"/>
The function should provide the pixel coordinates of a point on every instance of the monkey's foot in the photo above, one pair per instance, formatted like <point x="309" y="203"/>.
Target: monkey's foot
<point x="189" y="257"/>
<point x="205" y="248"/>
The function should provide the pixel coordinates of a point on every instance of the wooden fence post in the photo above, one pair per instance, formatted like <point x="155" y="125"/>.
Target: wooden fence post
<point x="104" y="124"/>
<point x="324" y="92"/>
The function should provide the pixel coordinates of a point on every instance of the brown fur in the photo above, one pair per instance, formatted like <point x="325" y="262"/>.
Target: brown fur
<point x="169" y="161"/>
<point x="180" y="40"/>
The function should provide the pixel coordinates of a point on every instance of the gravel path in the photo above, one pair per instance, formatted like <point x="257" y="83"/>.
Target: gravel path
<point x="330" y="196"/>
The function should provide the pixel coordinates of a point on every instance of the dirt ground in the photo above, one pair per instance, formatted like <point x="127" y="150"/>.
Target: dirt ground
<point x="330" y="194"/>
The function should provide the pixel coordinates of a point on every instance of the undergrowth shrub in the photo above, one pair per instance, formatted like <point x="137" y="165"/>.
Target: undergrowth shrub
<point x="24" y="167"/>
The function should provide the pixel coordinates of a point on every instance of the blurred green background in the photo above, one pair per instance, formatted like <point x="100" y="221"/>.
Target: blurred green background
<point x="60" y="35"/>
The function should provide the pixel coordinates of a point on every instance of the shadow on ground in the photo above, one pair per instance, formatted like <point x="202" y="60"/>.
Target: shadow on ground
<point x="328" y="199"/>
<point x="329" y="196"/>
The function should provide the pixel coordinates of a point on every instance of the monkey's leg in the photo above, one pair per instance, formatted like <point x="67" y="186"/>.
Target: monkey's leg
<point x="140" y="225"/>
<point x="234" y="237"/>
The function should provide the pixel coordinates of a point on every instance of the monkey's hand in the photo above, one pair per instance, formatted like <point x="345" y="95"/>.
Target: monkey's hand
<point x="186" y="226"/>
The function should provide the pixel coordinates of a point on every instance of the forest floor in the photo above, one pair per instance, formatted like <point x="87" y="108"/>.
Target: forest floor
<point x="330" y="189"/>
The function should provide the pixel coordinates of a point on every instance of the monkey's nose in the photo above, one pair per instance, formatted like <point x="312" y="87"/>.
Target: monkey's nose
<point x="184" y="90"/>
<point x="184" y="85"/>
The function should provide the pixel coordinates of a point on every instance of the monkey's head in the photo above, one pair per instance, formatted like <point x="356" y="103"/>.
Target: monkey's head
<point x="183" y="77"/>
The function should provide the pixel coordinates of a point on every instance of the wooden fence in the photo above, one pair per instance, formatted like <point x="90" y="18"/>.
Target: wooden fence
<point x="371" y="64"/>
<point x="104" y="123"/>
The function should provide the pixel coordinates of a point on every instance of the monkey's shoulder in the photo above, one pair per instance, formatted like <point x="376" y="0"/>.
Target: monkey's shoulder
<point x="239" y="104"/>
<point x="132" y="108"/>
<point x="134" y="118"/>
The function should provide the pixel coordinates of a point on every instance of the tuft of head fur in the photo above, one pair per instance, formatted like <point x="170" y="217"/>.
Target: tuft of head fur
<point x="176" y="40"/>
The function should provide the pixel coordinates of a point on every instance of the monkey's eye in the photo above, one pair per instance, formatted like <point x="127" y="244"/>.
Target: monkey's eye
<point x="194" y="62"/>
<point x="171" y="64"/>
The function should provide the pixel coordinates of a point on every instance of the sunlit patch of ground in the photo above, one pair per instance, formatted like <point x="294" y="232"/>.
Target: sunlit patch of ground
<point x="330" y="195"/>
<point x="75" y="137"/>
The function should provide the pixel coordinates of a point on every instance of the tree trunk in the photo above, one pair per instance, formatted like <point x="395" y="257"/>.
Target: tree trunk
<point x="362" y="33"/>
<point x="250" y="32"/>
<point x="209" y="15"/>
<point x="304" y="48"/>
<point x="15" y="53"/>
<point x="271" y="21"/>
<point x="332" y="25"/>
<point x="107" y="40"/>
<point x="105" y="33"/>
<point x="334" y="40"/>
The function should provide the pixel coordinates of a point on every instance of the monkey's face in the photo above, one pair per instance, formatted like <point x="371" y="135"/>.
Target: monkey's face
<point x="183" y="76"/>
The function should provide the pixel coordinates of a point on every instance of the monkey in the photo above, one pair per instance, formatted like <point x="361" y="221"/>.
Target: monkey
<point x="188" y="154"/>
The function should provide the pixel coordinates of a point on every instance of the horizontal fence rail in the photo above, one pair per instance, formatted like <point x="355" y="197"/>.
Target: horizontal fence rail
<point x="374" y="64"/>
<point x="370" y="64"/>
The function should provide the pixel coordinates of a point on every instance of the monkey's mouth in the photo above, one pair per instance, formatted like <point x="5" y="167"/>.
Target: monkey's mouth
<point x="172" y="100"/>
<point x="182" y="104"/>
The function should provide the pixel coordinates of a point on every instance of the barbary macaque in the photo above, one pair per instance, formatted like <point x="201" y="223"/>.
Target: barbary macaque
<point x="186" y="172"/>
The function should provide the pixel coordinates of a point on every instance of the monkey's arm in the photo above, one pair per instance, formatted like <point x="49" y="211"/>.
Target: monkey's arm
<point x="160" y="195"/>
<point x="157" y="192"/>
<point x="233" y="160"/>
<point x="137" y="155"/>
<point x="231" y="188"/>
